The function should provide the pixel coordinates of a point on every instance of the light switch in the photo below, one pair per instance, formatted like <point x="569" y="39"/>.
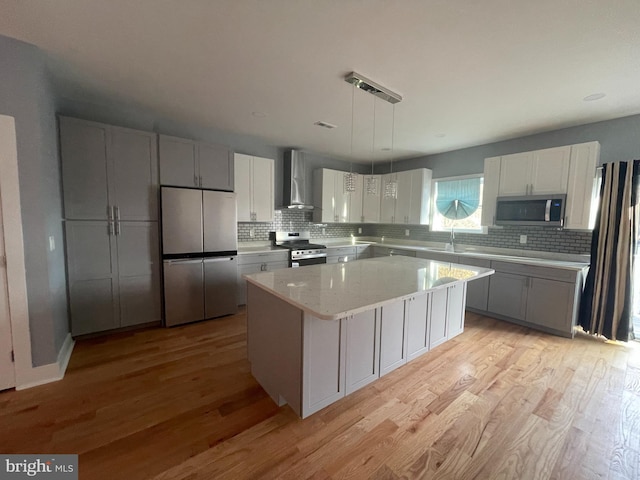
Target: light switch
<point x="52" y="243"/>
<point x="523" y="239"/>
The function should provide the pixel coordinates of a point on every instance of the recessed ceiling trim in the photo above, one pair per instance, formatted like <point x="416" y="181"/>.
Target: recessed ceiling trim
<point x="594" y="96"/>
<point x="328" y="125"/>
<point x="372" y="87"/>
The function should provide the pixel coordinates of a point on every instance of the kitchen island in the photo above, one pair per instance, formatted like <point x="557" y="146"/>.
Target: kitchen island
<point x="318" y="333"/>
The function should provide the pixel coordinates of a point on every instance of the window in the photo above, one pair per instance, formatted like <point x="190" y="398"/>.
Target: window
<point x="459" y="197"/>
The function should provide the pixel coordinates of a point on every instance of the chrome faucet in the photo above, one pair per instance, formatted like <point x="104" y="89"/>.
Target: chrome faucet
<point x="450" y="247"/>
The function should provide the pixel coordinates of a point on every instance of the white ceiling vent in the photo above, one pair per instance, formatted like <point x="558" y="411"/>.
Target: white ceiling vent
<point x="325" y="125"/>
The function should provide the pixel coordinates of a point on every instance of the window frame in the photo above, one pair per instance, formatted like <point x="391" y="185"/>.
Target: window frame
<point x="483" y="230"/>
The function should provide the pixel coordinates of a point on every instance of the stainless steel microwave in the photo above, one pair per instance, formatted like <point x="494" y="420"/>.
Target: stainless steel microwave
<point x="543" y="210"/>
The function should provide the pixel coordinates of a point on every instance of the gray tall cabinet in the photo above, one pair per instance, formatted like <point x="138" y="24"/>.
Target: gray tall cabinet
<point x="110" y="190"/>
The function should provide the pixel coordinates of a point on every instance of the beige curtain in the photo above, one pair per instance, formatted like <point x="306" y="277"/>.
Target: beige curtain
<point x="606" y="302"/>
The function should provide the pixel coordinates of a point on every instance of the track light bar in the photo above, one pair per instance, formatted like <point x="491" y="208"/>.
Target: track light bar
<point x="372" y="87"/>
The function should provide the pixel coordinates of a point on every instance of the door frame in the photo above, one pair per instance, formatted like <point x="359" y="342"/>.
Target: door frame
<point x="26" y="375"/>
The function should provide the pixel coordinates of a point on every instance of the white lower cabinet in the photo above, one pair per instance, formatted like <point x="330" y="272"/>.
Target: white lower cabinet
<point x="456" y="295"/>
<point x="323" y="375"/>
<point x="417" y="325"/>
<point x="393" y="337"/>
<point x="438" y="328"/>
<point x="362" y="349"/>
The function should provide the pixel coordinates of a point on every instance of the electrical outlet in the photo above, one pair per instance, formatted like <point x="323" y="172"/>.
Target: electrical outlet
<point x="52" y="243"/>
<point x="523" y="239"/>
<point x="252" y="232"/>
<point x="324" y="231"/>
<point x="407" y="232"/>
<point x="359" y="230"/>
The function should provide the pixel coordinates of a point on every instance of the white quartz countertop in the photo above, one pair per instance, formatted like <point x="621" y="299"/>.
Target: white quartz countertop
<point x="556" y="260"/>
<point x="333" y="291"/>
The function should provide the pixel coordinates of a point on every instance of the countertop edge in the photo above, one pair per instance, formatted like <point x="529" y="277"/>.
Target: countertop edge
<point x="364" y="308"/>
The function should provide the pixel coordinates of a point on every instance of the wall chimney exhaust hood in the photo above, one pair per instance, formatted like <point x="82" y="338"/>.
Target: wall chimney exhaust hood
<point x="296" y="194"/>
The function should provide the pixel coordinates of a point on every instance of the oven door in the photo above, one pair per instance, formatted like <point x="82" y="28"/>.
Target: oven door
<point x="308" y="260"/>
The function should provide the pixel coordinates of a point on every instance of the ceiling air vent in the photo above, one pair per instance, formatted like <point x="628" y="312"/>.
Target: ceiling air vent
<point x="325" y="125"/>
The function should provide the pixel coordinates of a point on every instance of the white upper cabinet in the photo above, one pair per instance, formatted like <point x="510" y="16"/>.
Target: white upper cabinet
<point x="550" y="171"/>
<point x="581" y="192"/>
<point x="371" y="201"/>
<point x="187" y="163"/>
<point x="411" y="205"/>
<point x="566" y="170"/>
<point x="535" y="173"/>
<point x="254" y="187"/>
<point x="515" y="174"/>
<point x="332" y="203"/>
<point x="490" y="190"/>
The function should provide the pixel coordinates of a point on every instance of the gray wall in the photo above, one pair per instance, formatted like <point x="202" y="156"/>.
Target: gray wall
<point x="26" y="95"/>
<point x="618" y="142"/>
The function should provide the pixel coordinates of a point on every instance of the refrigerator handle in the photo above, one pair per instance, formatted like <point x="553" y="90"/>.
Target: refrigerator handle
<point x="182" y="262"/>
<point x="219" y="259"/>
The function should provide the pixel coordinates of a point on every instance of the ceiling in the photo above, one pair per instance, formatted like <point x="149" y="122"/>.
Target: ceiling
<point x="469" y="72"/>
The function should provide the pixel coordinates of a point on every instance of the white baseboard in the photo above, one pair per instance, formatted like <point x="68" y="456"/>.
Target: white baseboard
<point x="51" y="372"/>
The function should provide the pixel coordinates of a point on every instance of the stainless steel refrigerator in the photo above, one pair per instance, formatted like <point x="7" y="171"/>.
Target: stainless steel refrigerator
<point x="199" y="254"/>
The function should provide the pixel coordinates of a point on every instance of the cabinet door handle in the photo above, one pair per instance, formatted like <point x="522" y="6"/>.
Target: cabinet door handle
<point x="118" y="227"/>
<point x="116" y="214"/>
<point x="109" y="212"/>
<point x="200" y="180"/>
<point x="110" y="228"/>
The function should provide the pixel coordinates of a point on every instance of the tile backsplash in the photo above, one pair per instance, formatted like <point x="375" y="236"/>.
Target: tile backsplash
<point x="538" y="238"/>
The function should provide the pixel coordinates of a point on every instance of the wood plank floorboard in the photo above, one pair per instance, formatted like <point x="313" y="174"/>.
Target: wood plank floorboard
<point x="498" y="401"/>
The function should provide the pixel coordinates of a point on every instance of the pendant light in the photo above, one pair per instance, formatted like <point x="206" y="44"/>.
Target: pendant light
<point x="350" y="178"/>
<point x="372" y="182"/>
<point x="377" y="90"/>
<point x="391" y="187"/>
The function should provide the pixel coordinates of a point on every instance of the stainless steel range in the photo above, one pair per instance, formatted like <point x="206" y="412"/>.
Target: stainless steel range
<point x="301" y="251"/>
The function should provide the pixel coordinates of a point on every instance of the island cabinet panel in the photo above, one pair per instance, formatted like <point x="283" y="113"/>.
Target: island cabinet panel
<point x="393" y="338"/>
<point x="455" y="309"/>
<point x="324" y="347"/>
<point x="417" y="325"/>
<point x="438" y="328"/>
<point x="274" y="347"/>
<point x="362" y="349"/>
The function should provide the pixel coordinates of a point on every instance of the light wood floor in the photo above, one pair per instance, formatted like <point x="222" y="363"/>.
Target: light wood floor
<point x="500" y="401"/>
